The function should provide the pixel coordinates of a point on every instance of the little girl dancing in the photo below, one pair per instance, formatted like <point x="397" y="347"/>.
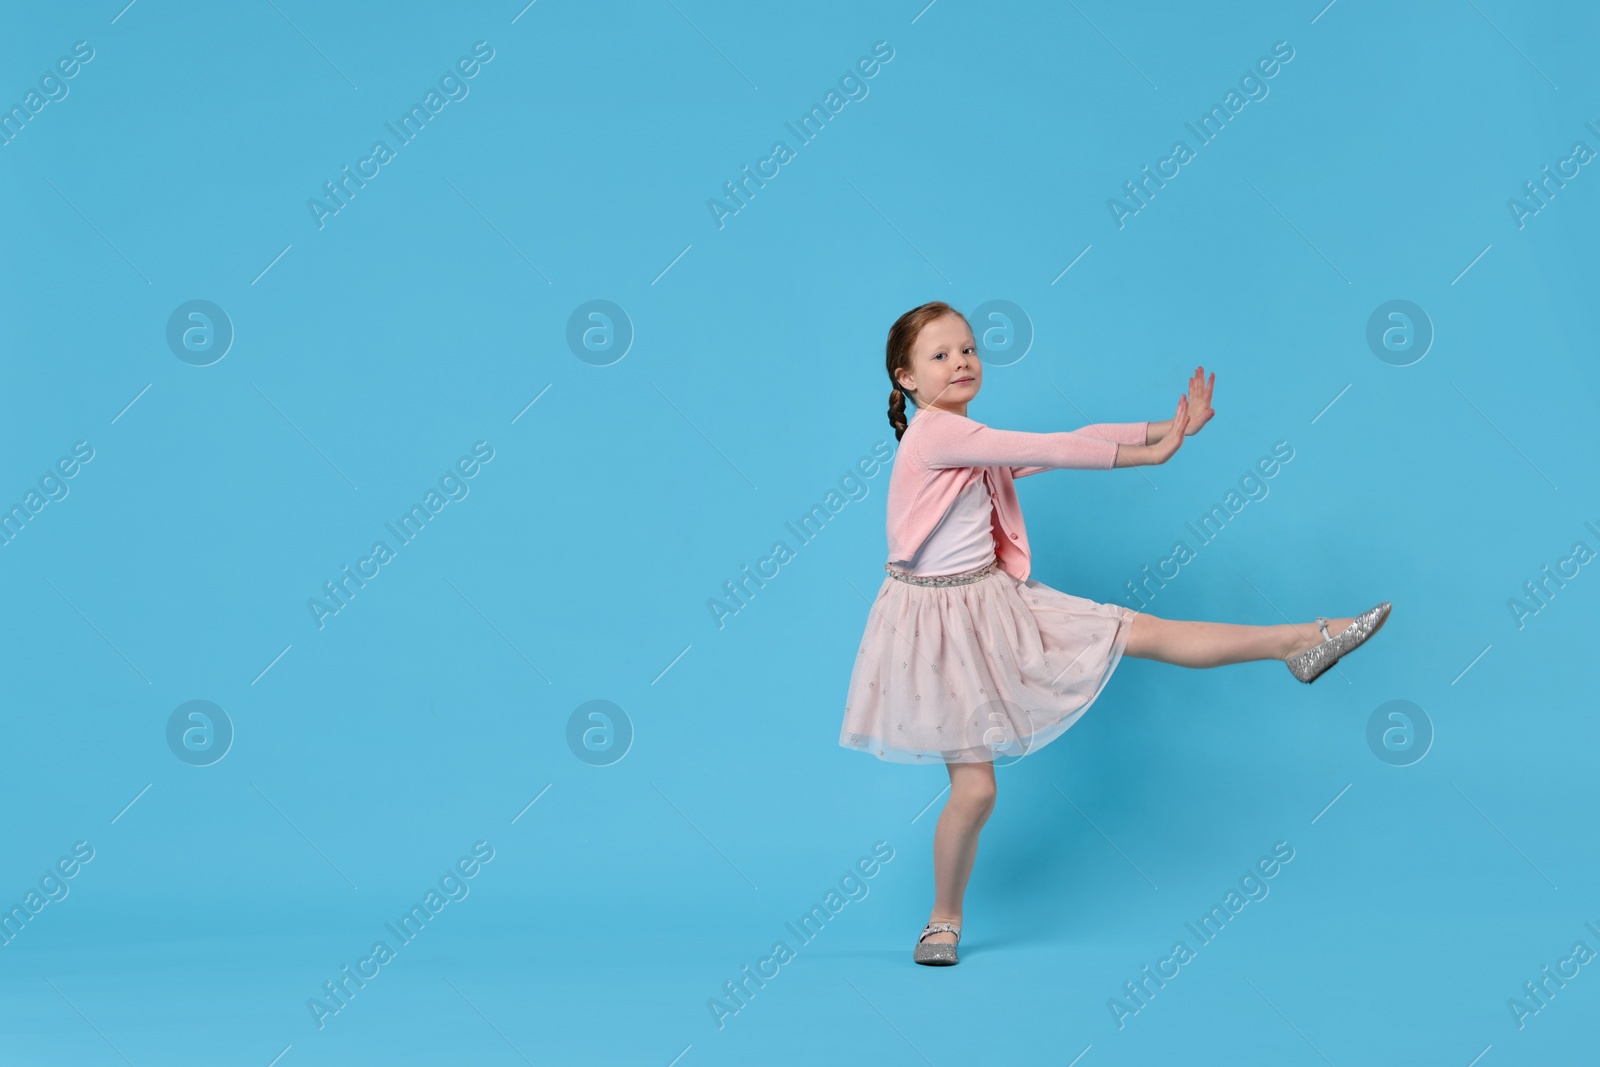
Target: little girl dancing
<point x="967" y="660"/>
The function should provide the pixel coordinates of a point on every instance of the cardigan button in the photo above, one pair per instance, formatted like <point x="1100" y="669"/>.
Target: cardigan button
<point x="1013" y="537"/>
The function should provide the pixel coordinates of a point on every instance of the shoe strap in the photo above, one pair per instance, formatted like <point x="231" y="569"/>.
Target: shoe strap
<point x="1322" y="624"/>
<point x="938" y="928"/>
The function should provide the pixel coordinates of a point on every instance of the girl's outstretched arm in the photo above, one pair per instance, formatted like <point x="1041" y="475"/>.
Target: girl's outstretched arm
<point x="1157" y="451"/>
<point x="1131" y="433"/>
<point x="959" y="441"/>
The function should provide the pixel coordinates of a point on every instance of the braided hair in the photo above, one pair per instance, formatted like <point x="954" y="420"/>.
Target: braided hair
<point x="902" y="338"/>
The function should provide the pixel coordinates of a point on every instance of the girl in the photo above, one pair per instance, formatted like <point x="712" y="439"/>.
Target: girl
<point x="966" y="659"/>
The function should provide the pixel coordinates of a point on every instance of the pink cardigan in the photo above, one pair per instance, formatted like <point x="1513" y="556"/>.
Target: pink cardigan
<point x="940" y="453"/>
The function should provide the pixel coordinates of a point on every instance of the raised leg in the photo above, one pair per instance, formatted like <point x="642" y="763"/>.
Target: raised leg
<point x="955" y="840"/>
<point x="1213" y="644"/>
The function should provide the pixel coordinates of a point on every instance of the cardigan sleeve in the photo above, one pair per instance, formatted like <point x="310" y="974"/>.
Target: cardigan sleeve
<point x="1123" y="433"/>
<point x="962" y="442"/>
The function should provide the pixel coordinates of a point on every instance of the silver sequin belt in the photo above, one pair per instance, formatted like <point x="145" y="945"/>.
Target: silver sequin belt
<point x="964" y="578"/>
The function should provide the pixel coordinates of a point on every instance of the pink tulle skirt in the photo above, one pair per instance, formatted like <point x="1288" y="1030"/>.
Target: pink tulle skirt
<point x="983" y="672"/>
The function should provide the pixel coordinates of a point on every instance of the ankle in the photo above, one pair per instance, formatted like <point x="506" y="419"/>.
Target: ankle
<point x="1295" y="639"/>
<point x="943" y="936"/>
<point x="1307" y="635"/>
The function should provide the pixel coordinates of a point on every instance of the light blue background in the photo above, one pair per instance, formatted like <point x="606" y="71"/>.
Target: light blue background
<point x="432" y="310"/>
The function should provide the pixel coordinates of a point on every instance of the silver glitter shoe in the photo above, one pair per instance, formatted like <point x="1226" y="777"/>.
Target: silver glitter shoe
<point x="1309" y="665"/>
<point x="935" y="953"/>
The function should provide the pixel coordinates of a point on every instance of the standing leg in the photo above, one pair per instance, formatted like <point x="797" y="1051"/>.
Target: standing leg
<point x="1212" y="644"/>
<point x="955" y="840"/>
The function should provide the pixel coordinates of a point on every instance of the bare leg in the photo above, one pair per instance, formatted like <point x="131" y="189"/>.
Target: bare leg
<point x="955" y="840"/>
<point x="1212" y="644"/>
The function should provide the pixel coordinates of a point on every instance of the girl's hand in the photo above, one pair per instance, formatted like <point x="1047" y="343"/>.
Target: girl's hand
<point x="1200" y="410"/>
<point x="1163" y="449"/>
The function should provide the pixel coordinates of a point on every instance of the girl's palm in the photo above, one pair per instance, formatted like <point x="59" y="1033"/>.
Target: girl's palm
<point x="1200" y="410"/>
<point x="1168" y="445"/>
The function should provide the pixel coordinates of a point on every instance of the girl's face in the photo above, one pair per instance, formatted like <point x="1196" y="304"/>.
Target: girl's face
<point x="945" y="371"/>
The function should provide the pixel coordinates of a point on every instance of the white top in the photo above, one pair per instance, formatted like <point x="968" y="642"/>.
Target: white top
<point x="964" y="538"/>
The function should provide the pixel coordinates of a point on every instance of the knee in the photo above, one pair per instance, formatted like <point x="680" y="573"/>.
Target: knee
<point x="976" y="798"/>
